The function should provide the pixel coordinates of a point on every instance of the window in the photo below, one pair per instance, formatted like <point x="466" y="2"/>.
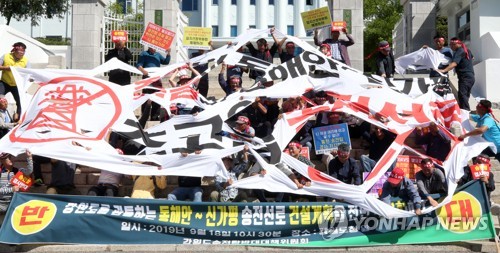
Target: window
<point x="463" y="26"/>
<point x="271" y="2"/>
<point x="215" y="31"/>
<point x="252" y="2"/>
<point x="189" y="5"/>
<point x="309" y="33"/>
<point x="289" y="30"/>
<point x="309" y="2"/>
<point x="215" y="2"/>
<point x="233" y="2"/>
<point x="290" y="2"/>
<point x="234" y="31"/>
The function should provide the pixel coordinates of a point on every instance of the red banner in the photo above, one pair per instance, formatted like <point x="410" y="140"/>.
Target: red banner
<point x="157" y="37"/>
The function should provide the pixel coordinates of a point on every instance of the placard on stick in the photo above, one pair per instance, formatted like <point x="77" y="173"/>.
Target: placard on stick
<point x="317" y="18"/>
<point x="157" y="37"/>
<point x="197" y="37"/>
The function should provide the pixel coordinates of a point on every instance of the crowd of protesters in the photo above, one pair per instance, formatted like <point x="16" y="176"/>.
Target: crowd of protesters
<point x="257" y="120"/>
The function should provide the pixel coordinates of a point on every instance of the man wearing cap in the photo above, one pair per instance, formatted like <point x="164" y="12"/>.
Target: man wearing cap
<point x="122" y="53"/>
<point x="6" y="122"/>
<point x="488" y="180"/>
<point x="184" y="78"/>
<point x="487" y="126"/>
<point x="243" y="126"/>
<point x="8" y="84"/>
<point x="385" y="60"/>
<point x="338" y="47"/>
<point x="430" y="180"/>
<point x="344" y="168"/>
<point x="232" y="84"/>
<point x="462" y="63"/>
<point x="397" y="185"/>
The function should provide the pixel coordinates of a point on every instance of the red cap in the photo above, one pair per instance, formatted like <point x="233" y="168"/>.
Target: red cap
<point x="243" y="120"/>
<point x="396" y="176"/>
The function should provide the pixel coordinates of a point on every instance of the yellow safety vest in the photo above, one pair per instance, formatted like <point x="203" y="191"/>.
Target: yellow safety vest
<point x="9" y="60"/>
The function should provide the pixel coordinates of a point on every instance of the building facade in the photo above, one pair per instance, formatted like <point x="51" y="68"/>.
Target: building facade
<point x="475" y="22"/>
<point x="228" y="18"/>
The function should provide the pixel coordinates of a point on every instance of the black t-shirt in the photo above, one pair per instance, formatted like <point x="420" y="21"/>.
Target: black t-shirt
<point x="464" y="66"/>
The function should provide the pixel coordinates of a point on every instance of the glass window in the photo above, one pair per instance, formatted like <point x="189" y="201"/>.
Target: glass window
<point x="252" y="2"/>
<point x="189" y="5"/>
<point x="215" y="31"/>
<point x="290" y="2"/>
<point x="309" y="2"/>
<point x="234" y="31"/>
<point x="253" y="27"/>
<point x="271" y="2"/>
<point x="463" y="26"/>
<point x="290" y="30"/>
<point x="233" y="2"/>
<point x="215" y="2"/>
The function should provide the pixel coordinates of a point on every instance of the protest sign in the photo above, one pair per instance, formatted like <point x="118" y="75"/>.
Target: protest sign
<point x="338" y="25"/>
<point x="197" y="37"/>
<point x="23" y="182"/>
<point x="479" y="170"/>
<point x="157" y="37"/>
<point x="409" y="164"/>
<point x="328" y="138"/>
<point x="117" y="35"/>
<point x="317" y="18"/>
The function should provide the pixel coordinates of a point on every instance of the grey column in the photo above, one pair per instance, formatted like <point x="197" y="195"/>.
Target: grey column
<point x="86" y="30"/>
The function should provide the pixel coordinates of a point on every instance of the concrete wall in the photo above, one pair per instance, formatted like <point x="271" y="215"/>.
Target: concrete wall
<point x="87" y="33"/>
<point x="173" y="20"/>
<point x="484" y="41"/>
<point x="337" y="8"/>
<point x="417" y="26"/>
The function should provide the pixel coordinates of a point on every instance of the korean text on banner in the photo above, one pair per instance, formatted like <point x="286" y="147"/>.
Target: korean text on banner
<point x="409" y="164"/>
<point x="328" y="138"/>
<point x="157" y="37"/>
<point x="317" y="18"/>
<point x="479" y="170"/>
<point x="33" y="218"/>
<point x="117" y="35"/>
<point x="338" y="25"/>
<point x="197" y="37"/>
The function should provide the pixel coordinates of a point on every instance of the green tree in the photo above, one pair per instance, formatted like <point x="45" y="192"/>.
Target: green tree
<point x="442" y="26"/>
<point x="380" y="17"/>
<point x="33" y="10"/>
